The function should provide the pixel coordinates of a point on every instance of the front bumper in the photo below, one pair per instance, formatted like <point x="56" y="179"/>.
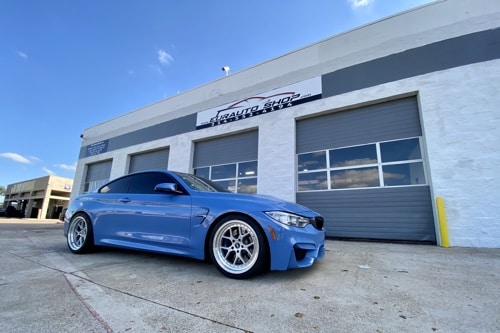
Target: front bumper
<point x="293" y="247"/>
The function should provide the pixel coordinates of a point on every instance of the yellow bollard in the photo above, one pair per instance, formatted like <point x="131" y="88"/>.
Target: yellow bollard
<point x="443" y="226"/>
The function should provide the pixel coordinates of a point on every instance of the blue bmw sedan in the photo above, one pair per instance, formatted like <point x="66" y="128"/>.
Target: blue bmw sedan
<point x="182" y="214"/>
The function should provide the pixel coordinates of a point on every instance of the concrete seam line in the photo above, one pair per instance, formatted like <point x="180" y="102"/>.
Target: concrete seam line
<point x="92" y="311"/>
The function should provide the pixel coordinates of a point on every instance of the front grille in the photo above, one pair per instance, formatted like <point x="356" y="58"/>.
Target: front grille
<point x="318" y="222"/>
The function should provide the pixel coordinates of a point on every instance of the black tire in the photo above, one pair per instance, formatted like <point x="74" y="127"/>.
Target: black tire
<point x="238" y="248"/>
<point x="80" y="235"/>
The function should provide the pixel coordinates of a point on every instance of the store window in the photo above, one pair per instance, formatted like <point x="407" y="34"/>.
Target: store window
<point x="380" y="164"/>
<point x="238" y="177"/>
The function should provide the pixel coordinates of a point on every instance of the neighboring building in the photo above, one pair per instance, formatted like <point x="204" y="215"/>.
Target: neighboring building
<point x="40" y="198"/>
<point x="367" y="127"/>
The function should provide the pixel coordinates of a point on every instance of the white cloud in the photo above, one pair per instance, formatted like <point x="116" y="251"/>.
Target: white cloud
<point x="48" y="171"/>
<point x="360" y="3"/>
<point x="71" y="167"/>
<point x="164" y="58"/>
<point x="22" y="55"/>
<point x="33" y="159"/>
<point x="16" y="157"/>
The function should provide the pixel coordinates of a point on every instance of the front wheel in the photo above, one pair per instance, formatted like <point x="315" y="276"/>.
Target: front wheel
<point x="80" y="236"/>
<point x="238" y="248"/>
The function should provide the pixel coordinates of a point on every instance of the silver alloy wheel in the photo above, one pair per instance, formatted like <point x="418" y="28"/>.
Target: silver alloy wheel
<point x="77" y="233"/>
<point x="236" y="247"/>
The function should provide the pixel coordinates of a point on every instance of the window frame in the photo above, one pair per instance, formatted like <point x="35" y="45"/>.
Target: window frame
<point x="379" y="164"/>
<point x="236" y="177"/>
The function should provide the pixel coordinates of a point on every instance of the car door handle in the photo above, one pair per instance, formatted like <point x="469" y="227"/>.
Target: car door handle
<point x="124" y="200"/>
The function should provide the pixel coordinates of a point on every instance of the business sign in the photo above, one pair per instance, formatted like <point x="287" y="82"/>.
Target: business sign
<point x="96" y="148"/>
<point x="275" y="100"/>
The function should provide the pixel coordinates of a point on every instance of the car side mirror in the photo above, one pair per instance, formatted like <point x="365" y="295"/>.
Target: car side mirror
<point x="167" y="188"/>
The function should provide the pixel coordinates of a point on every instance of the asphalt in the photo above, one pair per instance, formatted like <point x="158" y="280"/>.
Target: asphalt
<point x="357" y="287"/>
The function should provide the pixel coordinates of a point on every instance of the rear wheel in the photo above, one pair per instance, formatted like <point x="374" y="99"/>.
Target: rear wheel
<point x="80" y="237"/>
<point x="238" y="248"/>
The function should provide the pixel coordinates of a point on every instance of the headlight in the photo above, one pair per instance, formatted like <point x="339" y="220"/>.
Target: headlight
<point x="289" y="219"/>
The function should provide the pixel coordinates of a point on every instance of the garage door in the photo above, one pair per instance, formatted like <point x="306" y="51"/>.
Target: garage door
<point x="230" y="161"/>
<point x="157" y="159"/>
<point x="364" y="171"/>
<point x="97" y="175"/>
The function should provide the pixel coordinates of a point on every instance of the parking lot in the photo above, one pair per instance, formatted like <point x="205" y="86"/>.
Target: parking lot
<point x="357" y="287"/>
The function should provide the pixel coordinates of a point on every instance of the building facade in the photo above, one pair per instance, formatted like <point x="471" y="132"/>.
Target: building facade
<point x="367" y="127"/>
<point x="40" y="198"/>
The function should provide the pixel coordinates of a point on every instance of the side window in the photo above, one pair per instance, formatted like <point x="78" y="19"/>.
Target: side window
<point x="145" y="182"/>
<point x="118" y="186"/>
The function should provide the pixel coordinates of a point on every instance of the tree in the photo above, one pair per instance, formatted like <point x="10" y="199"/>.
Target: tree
<point x="2" y="190"/>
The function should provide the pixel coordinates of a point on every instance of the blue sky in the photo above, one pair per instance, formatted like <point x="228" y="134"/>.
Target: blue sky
<point x="68" y="65"/>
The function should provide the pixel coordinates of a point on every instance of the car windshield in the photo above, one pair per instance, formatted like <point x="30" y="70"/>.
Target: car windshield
<point x="200" y="184"/>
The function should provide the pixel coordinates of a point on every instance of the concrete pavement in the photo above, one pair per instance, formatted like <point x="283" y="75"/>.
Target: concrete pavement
<point x="357" y="287"/>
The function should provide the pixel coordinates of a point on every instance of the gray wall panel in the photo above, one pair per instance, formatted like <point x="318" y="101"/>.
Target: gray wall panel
<point x="155" y="132"/>
<point x="403" y="213"/>
<point x="379" y="122"/>
<point x="162" y="130"/>
<point x="228" y="149"/>
<point x="459" y="51"/>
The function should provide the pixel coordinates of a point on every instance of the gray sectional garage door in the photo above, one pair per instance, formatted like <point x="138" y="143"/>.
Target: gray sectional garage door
<point x="97" y="175"/>
<point x="230" y="161"/>
<point x="227" y="149"/>
<point x="157" y="159"/>
<point x="376" y="192"/>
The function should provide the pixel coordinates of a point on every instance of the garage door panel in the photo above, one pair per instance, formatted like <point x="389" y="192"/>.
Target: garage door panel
<point x="380" y="122"/>
<point x="365" y="213"/>
<point x="157" y="159"/>
<point x="97" y="174"/>
<point x="388" y="234"/>
<point x="228" y="149"/>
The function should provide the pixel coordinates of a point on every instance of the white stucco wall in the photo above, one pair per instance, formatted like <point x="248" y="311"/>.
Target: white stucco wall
<point x="461" y="117"/>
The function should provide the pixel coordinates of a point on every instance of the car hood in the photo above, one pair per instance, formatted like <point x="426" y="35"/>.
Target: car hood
<point x="251" y="202"/>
